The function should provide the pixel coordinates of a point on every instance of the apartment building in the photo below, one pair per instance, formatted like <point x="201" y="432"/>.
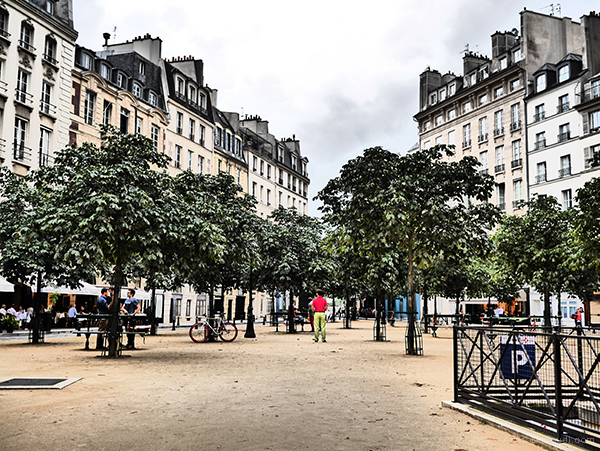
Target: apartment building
<point x="37" y="49"/>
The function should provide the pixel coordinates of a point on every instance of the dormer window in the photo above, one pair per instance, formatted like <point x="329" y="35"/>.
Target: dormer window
<point x="202" y="101"/>
<point x="503" y="63"/>
<point x="443" y="94"/>
<point x="472" y="79"/>
<point x="86" y="61"/>
<point x="137" y="90"/>
<point x="540" y="83"/>
<point x="50" y="6"/>
<point x="142" y="68"/>
<point x="563" y="73"/>
<point x="180" y="86"/>
<point x="192" y="94"/>
<point x="483" y="73"/>
<point x="105" y="72"/>
<point x="152" y="98"/>
<point x="433" y="98"/>
<point x="451" y="89"/>
<point x="121" y="81"/>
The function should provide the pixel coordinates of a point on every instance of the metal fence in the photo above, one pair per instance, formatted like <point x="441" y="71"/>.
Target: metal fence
<point x="546" y="381"/>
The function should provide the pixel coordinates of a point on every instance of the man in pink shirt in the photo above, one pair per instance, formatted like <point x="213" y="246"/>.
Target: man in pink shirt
<point x="319" y="306"/>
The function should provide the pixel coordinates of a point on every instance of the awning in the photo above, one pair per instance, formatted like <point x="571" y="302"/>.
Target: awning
<point x="139" y="294"/>
<point x="86" y="289"/>
<point x="478" y="301"/>
<point x="6" y="286"/>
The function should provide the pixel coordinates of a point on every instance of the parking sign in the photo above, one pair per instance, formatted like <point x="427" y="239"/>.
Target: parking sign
<point x="519" y="348"/>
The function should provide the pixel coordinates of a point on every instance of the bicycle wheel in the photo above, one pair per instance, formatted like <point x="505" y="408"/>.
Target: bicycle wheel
<point x="228" y="332"/>
<point x="199" y="333"/>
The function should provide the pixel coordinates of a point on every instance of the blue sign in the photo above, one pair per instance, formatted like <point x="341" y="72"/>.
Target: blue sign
<point x="522" y="350"/>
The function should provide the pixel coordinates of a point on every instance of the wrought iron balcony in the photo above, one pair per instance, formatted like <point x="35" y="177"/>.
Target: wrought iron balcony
<point x="516" y="163"/>
<point x="499" y="168"/>
<point x="564" y="172"/>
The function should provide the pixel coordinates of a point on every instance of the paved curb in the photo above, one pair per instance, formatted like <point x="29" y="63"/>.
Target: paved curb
<point x="523" y="433"/>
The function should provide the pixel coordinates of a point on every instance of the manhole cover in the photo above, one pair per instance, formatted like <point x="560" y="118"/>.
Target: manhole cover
<point x="35" y="382"/>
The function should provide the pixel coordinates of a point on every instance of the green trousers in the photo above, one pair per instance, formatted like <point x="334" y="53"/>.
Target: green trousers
<point x="320" y="324"/>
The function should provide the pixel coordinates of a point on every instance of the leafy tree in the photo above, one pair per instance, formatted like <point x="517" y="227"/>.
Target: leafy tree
<point x="534" y="247"/>
<point x="27" y="252"/>
<point x="111" y="207"/>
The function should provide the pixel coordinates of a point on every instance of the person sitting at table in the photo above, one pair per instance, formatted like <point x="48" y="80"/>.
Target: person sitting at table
<point x="72" y="317"/>
<point x="131" y="307"/>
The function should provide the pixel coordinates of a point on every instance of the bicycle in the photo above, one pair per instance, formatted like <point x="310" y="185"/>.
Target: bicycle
<point x="201" y="331"/>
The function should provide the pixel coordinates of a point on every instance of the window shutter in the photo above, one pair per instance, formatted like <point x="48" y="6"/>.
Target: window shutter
<point x="587" y="158"/>
<point x="586" y="123"/>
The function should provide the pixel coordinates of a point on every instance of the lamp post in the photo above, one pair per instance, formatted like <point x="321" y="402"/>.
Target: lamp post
<point x="250" y="326"/>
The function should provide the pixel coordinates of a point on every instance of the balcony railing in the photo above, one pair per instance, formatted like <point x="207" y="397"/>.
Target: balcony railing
<point x="562" y="137"/>
<point x="498" y="132"/>
<point x="23" y="97"/>
<point x="517" y="204"/>
<point x="499" y="168"/>
<point x="483" y="137"/>
<point x="179" y="131"/>
<point x="502" y="206"/>
<point x="516" y="125"/>
<point x="50" y="59"/>
<point x="516" y="163"/>
<point x="45" y="159"/>
<point x="589" y="94"/>
<point x="466" y="144"/>
<point x="564" y="172"/>
<point x="47" y="108"/>
<point x="5" y="34"/>
<point x="562" y="108"/>
<point x="484" y="171"/>
<point x="541" y="178"/>
<point x="540" y="116"/>
<point x="26" y="46"/>
<point x="21" y="153"/>
<point x="3" y="86"/>
<point x="280" y="181"/>
<point x="539" y="144"/>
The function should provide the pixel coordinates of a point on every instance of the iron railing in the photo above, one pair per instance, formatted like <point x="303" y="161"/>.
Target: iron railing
<point x="548" y="381"/>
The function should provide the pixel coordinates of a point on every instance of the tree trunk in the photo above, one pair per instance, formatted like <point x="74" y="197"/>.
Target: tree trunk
<point x="378" y="335"/>
<point x="114" y="311"/>
<point x="411" y="347"/>
<point x="36" y="322"/>
<point x="425" y="307"/>
<point x="547" y="310"/>
<point x="291" y="322"/>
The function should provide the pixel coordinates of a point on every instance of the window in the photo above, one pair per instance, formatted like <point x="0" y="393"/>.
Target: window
<point x="45" y="140"/>
<point x="567" y="199"/>
<point x="262" y="188"/>
<point x="565" y="166"/>
<point x="438" y="140"/>
<point x="501" y="190"/>
<point x="515" y="84"/>
<point x="563" y="104"/>
<point x="50" y="6"/>
<point x="50" y="50"/>
<point x="104" y="72"/>
<point x="517" y="159"/>
<point x="26" y="37"/>
<point x="517" y="191"/>
<point x="466" y="107"/>
<point x="564" y="132"/>
<point x="595" y="89"/>
<point x="137" y="90"/>
<point x="180" y="86"/>
<point x="202" y="129"/>
<point x="427" y="144"/>
<point x="88" y="108"/>
<point x="189" y="160"/>
<point x="192" y="129"/>
<point x="138" y="125"/>
<point x="451" y="114"/>
<point x="442" y="94"/>
<point x="466" y="136"/>
<point x="254" y="189"/>
<point x="516" y="55"/>
<point x="45" y="104"/>
<point x="179" y="123"/>
<point x="177" y="157"/>
<point x="200" y="165"/>
<point x="152" y="98"/>
<point x="3" y="22"/>
<point x="498" y="123"/>
<point x="483" y="159"/>
<point x="22" y="83"/>
<point x="541" y="172"/>
<point x="254" y="163"/>
<point x="499" y="159"/>
<point x="451" y="89"/>
<point x="124" y="122"/>
<point x="498" y="92"/>
<point x="540" y="83"/>
<point x="86" y="61"/>
<point x="433" y="98"/>
<point x="262" y="167"/>
<point x="268" y="197"/>
<point x="192" y="94"/>
<point x="121" y="80"/>
<point x="20" y="138"/>
<point x="427" y="126"/>
<point x="483" y="133"/>
<point x="503" y="63"/>
<point x="563" y="73"/>
<point x="154" y="132"/>
<point x="106" y="112"/>
<point x="540" y="113"/>
<point x="515" y="116"/>
<point x="483" y="73"/>
<point x="142" y="68"/>
<point x="472" y="79"/>
<point x="438" y="120"/>
<point x="239" y="176"/>
<point x="202" y="100"/>
<point x="540" y="140"/>
<point x="451" y="137"/>
<point x="268" y="171"/>
<point x="482" y="99"/>
<point x="594" y="121"/>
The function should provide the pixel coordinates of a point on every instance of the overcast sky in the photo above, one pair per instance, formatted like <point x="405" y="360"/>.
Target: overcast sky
<point x="341" y="75"/>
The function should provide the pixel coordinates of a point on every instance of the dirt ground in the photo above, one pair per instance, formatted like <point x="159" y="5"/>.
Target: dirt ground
<point x="276" y="392"/>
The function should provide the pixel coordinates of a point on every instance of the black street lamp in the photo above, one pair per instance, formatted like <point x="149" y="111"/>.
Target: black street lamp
<point x="250" y="326"/>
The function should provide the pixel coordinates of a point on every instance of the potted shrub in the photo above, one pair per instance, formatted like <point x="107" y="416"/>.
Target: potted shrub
<point x="10" y="323"/>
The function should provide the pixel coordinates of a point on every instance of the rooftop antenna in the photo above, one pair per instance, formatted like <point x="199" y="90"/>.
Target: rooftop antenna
<point x="554" y="9"/>
<point x="115" y="33"/>
<point x="466" y="50"/>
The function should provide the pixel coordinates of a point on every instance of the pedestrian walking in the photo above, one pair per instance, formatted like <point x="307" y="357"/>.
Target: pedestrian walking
<point x="319" y="307"/>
